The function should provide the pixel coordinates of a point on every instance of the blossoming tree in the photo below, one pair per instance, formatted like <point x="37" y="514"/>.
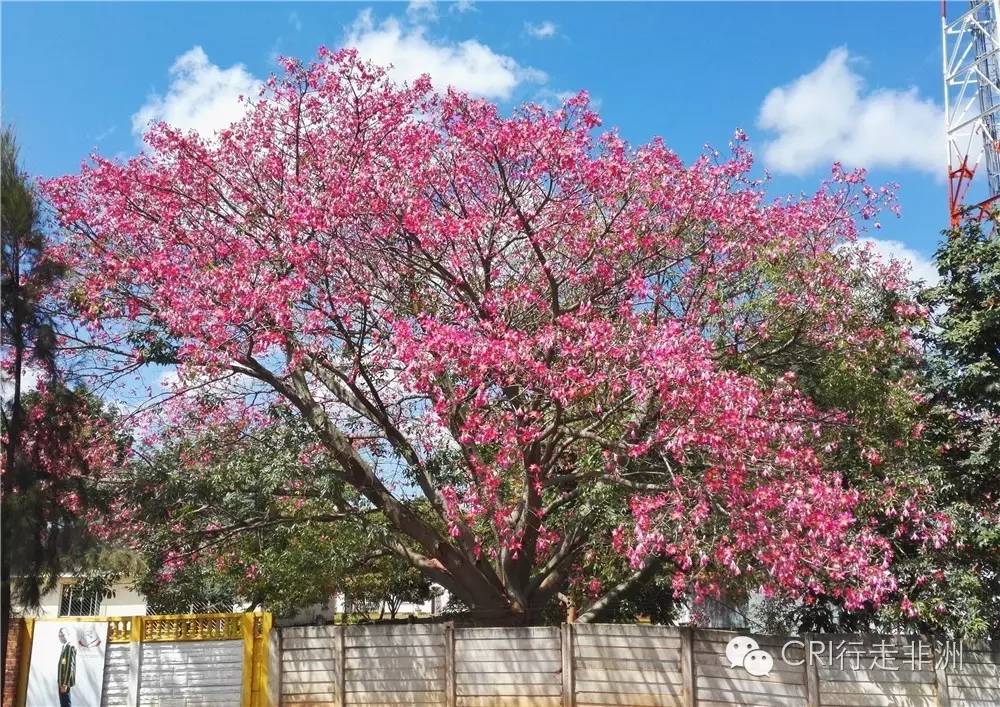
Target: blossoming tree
<point x="522" y="344"/>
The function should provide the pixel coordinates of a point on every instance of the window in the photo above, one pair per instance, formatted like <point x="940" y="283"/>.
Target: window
<point x="76" y="602"/>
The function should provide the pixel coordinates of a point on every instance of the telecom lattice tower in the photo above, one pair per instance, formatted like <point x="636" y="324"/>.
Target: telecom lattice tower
<point x="970" y="45"/>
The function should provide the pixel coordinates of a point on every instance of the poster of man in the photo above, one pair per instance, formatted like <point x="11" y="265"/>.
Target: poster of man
<point x="67" y="664"/>
<point x="67" y="669"/>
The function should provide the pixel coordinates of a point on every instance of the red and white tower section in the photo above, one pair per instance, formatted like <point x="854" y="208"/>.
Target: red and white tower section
<point x="970" y="44"/>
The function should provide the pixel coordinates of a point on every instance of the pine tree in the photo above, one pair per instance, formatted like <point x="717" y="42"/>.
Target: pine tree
<point x="27" y="330"/>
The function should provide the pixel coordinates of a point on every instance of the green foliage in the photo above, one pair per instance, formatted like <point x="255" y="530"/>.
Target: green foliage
<point x="383" y="585"/>
<point x="196" y="588"/>
<point x="652" y="600"/>
<point x="27" y="276"/>
<point x="253" y="521"/>
<point x="967" y="338"/>
<point x="929" y="419"/>
<point x="963" y="383"/>
<point x="782" y="616"/>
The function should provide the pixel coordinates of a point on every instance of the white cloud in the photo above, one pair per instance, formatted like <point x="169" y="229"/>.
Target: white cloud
<point x="205" y="97"/>
<point x="826" y="115"/>
<point x="920" y="267"/>
<point x="105" y="134"/>
<point x="467" y="65"/>
<point x="553" y="100"/>
<point x="201" y="96"/>
<point x="462" y="6"/>
<point x="542" y="30"/>
<point x="295" y="21"/>
<point x="421" y="10"/>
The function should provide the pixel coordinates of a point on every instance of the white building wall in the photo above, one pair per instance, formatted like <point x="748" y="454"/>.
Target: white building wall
<point x="124" y="602"/>
<point x="328" y="611"/>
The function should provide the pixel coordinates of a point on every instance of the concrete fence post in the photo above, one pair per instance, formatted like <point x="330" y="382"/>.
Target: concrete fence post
<point x="134" y="660"/>
<point x="812" y="673"/>
<point x="449" y="665"/>
<point x="687" y="665"/>
<point x="340" y="666"/>
<point x="940" y="678"/>
<point x="274" y="668"/>
<point x="566" y="650"/>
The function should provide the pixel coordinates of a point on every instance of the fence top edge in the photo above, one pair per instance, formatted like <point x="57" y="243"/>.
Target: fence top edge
<point x="142" y="617"/>
<point x="703" y="634"/>
<point x="646" y="626"/>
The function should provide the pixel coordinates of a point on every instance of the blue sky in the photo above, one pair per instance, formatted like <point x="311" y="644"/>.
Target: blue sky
<point x="810" y="82"/>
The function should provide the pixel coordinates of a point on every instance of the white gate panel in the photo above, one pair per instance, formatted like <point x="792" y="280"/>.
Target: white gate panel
<point x="191" y="674"/>
<point x="116" y="674"/>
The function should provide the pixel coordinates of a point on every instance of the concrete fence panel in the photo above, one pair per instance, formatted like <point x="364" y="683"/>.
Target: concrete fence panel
<point x="975" y="680"/>
<point x="860" y="671"/>
<point x="394" y="665"/>
<point x="508" y="666"/>
<point x="718" y="682"/>
<point x="310" y="665"/>
<point x="611" y="665"/>
<point x="620" y="664"/>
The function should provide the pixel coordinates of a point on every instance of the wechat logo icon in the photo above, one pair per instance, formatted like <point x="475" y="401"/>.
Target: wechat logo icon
<point x="745" y="652"/>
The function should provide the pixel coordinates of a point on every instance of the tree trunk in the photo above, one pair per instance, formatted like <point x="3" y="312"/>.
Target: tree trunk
<point x="613" y="595"/>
